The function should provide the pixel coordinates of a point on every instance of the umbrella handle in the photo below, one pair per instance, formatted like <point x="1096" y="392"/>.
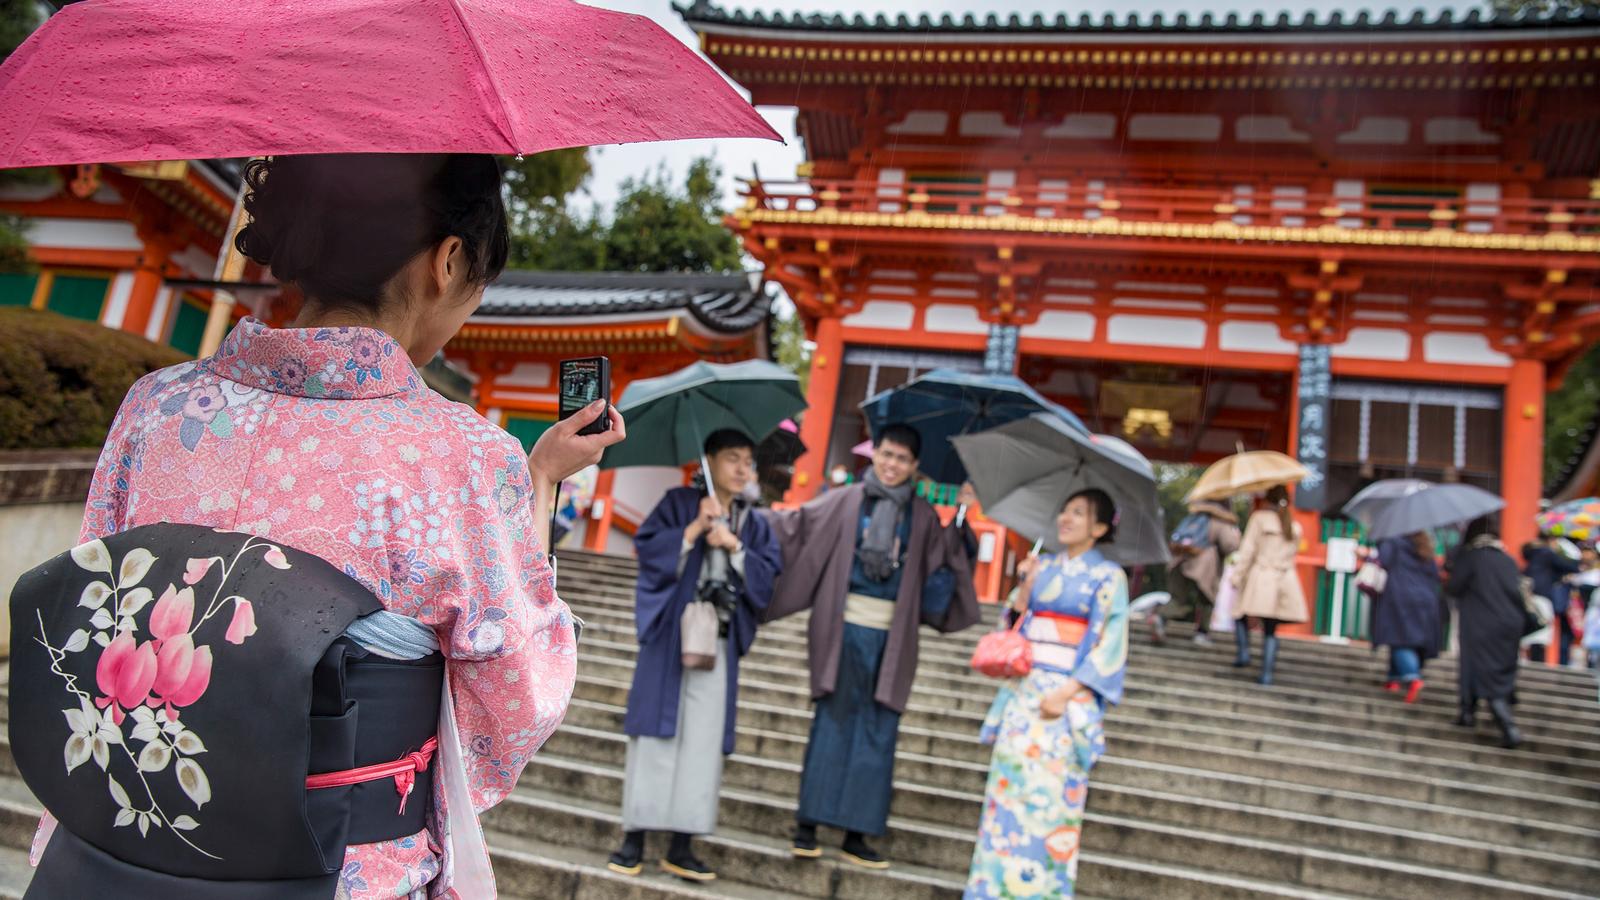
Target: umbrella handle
<point x="961" y="515"/>
<point x="1037" y="546"/>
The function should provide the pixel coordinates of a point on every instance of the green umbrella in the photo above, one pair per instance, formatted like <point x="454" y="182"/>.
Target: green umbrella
<point x="669" y="418"/>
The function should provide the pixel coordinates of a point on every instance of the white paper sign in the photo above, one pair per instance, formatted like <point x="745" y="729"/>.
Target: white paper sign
<point x="1342" y="555"/>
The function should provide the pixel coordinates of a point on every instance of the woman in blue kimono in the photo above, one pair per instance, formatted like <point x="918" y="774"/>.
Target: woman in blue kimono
<point x="1046" y="730"/>
<point x="695" y="547"/>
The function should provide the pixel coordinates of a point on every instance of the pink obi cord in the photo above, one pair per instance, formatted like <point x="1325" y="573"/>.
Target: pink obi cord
<point x="403" y="770"/>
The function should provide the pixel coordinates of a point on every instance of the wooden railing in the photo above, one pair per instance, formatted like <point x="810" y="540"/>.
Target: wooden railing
<point x="1260" y="205"/>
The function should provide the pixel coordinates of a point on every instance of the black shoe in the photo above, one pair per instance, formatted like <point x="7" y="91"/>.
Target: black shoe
<point x="855" y="850"/>
<point x="629" y="858"/>
<point x="1269" y="659"/>
<point x="1241" y="636"/>
<point x="1467" y="715"/>
<point x="1510" y="737"/>
<point x="682" y="862"/>
<point x="805" y="842"/>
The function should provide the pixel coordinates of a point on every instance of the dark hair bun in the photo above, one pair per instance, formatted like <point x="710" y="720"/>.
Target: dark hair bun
<point x="341" y="226"/>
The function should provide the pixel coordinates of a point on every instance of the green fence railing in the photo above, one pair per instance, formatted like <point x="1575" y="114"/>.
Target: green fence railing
<point x="1355" y="619"/>
<point x="938" y="494"/>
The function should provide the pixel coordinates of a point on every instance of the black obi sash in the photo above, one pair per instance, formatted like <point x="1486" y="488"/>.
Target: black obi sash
<point x="173" y="686"/>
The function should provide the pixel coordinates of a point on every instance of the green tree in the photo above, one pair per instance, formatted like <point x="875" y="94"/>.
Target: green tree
<point x="655" y="227"/>
<point x="790" y="347"/>
<point x="1569" y="410"/>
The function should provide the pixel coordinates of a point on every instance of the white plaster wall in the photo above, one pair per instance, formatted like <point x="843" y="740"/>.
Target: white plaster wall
<point x="34" y="532"/>
<point x="1389" y="344"/>
<point x="1253" y="337"/>
<point x="1156" y="331"/>
<point x="117" y="300"/>
<point x="1462" y="349"/>
<point x="1061" y="326"/>
<point x="882" y="314"/>
<point x="84" y="234"/>
<point x="952" y="318"/>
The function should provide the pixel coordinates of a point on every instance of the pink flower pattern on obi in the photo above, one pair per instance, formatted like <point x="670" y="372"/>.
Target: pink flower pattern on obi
<point x="327" y="441"/>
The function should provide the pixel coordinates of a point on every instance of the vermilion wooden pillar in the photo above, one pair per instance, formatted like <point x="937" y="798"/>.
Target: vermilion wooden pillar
<point x="1521" y="456"/>
<point x="827" y="362"/>
<point x="146" y="285"/>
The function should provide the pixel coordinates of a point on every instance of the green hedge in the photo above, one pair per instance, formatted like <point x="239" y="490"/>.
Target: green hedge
<point x="62" y="380"/>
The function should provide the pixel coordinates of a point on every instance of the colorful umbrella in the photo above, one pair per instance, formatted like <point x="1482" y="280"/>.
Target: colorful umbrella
<point x="1246" y="473"/>
<point x="114" y="80"/>
<point x="1578" y="519"/>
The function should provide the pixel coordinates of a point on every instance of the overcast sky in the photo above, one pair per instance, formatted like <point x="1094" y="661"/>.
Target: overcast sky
<point x="614" y="164"/>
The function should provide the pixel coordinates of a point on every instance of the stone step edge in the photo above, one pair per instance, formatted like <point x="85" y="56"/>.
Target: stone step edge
<point x="976" y="799"/>
<point x="616" y="685"/>
<point x="767" y="844"/>
<point x="1311" y="854"/>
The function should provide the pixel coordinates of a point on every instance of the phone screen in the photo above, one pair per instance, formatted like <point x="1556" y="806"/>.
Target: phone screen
<point x="583" y="381"/>
<point x="580" y="384"/>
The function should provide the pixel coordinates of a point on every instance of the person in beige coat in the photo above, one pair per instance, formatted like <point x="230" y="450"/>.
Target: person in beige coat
<point x="1269" y="586"/>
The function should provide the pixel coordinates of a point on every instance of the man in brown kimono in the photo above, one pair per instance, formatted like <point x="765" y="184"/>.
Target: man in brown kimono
<point x="872" y="562"/>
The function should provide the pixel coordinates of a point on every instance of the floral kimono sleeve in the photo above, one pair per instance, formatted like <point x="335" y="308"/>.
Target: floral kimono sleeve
<point x="509" y="642"/>
<point x="1101" y="664"/>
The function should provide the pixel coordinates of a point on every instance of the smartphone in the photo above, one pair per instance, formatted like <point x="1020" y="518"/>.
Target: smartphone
<point x="584" y="381"/>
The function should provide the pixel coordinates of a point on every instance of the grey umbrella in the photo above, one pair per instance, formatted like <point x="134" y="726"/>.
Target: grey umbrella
<point x="1377" y="496"/>
<point x="1435" y="506"/>
<point x="1025" y="470"/>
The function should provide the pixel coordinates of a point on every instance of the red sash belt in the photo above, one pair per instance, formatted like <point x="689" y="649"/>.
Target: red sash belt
<point x="403" y="770"/>
<point x="1068" y="629"/>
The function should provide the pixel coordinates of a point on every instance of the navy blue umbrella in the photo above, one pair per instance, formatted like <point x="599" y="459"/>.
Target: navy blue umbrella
<point x="944" y="403"/>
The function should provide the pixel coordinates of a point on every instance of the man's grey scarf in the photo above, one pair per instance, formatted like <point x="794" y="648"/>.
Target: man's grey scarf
<point x="879" y="553"/>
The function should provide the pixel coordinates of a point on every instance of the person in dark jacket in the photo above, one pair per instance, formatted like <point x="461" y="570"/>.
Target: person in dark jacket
<point x="696" y="547"/>
<point x="1406" y="616"/>
<point x="1487" y="591"/>
<point x="1549" y="570"/>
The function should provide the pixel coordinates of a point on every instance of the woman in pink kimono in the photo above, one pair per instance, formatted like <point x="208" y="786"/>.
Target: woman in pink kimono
<point x="323" y="437"/>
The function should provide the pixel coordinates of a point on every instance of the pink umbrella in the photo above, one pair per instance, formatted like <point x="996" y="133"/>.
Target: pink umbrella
<point x="863" y="449"/>
<point x="114" y="80"/>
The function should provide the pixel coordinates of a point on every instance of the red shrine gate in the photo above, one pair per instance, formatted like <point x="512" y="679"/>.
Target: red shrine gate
<point x="1180" y="229"/>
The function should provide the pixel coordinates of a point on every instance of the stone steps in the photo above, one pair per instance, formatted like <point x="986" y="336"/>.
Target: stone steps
<point x="1213" y="787"/>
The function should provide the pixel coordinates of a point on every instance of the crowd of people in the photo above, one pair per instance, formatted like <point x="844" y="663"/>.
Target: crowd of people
<point x="1497" y="610"/>
<point x="872" y="563"/>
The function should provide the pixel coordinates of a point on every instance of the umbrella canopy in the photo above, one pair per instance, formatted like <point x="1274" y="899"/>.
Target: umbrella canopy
<point x="1373" y="498"/>
<point x="1579" y="519"/>
<point x="672" y="416"/>
<point x="1246" y="473"/>
<point x="1025" y="470"/>
<point x="115" y="80"/>
<point x="945" y="402"/>
<point x="1435" y="506"/>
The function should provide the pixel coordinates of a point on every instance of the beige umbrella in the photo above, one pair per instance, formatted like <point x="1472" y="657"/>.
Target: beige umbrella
<point x="1246" y="473"/>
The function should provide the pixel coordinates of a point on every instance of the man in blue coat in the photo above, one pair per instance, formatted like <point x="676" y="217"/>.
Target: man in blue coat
<point x="696" y="547"/>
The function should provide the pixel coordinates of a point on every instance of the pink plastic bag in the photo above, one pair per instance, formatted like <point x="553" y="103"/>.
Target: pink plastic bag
<point x="1222" y="613"/>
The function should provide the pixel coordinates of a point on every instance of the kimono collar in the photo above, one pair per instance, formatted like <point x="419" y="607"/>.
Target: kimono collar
<point x="1088" y="560"/>
<point x="335" y="363"/>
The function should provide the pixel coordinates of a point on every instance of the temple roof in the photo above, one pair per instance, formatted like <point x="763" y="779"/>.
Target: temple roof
<point x="706" y="13"/>
<point x="727" y="304"/>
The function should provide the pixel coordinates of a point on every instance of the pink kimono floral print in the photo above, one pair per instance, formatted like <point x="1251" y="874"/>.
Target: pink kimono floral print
<point x="326" y="440"/>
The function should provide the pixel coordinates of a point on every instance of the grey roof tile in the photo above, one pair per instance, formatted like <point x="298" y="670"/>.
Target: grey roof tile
<point x="724" y="303"/>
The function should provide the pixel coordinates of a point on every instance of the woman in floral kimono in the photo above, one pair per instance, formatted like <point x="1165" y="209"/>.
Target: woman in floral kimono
<point x="323" y="437"/>
<point x="1047" y="731"/>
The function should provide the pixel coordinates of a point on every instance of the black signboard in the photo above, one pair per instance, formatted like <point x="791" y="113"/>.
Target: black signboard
<point x="1311" y="447"/>
<point x="1000" y="355"/>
